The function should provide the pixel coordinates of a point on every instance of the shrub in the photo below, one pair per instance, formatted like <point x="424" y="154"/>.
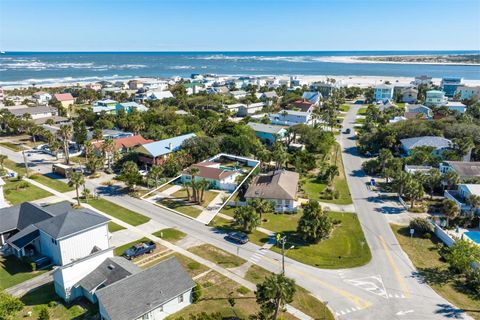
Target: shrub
<point x="52" y="304"/>
<point x="193" y="265"/>
<point x="197" y="292"/>
<point x="421" y="225"/>
<point x="243" y="290"/>
<point x="427" y="235"/>
<point x="43" y="314"/>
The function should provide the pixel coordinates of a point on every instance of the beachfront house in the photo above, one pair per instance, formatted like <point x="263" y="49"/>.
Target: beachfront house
<point x="435" y="98"/>
<point x="135" y="84"/>
<point x="461" y="195"/>
<point x="279" y="187"/>
<point x="422" y="80"/>
<point x="156" y="153"/>
<point x="383" y="92"/>
<point x="468" y="92"/>
<point x="418" y="111"/>
<point x="128" y="107"/>
<point x="153" y="294"/>
<point x="249" y="109"/>
<point x="291" y="118"/>
<point x="449" y="85"/>
<point x="65" y="99"/>
<point x="105" y="105"/>
<point x="456" y="106"/>
<point x="409" y="95"/>
<point x="439" y="144"/>
<point x="464" y="169"/>
<point x="42" y="97"/>
<point x="268" y="133"/>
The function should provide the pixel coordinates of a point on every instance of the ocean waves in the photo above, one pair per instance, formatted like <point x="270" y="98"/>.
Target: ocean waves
<point x="38" y="65"/>
<point x="63" y="80"/>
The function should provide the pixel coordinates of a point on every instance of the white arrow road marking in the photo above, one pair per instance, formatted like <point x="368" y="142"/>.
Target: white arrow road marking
<point x="373" y="284"/>
<point x="402" y="313"/>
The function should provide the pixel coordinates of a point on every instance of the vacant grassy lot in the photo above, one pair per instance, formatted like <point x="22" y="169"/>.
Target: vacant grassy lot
<point x="52" y="182"/>
<point x="427" y="260"/>
<point x="170" y="234"/>
<point x="344" y="108"/>
<point x="217" y="255"/>
<point x="119" y="212"/>
<point x="193" y="267"/>
<point x="46" y="294"/>
<point x="18" y="191"/>
<point x="208" y="196"/>
<point x="112" y="227"/>
<point x="312" y="187"/>
<point x="13" y="271"/>
<point x="346" y="247"/>
<point x="303" y="300"/>
<point x="362" y="111"/>
<point x="181" y="206"/>
<point x="224" y="226"/>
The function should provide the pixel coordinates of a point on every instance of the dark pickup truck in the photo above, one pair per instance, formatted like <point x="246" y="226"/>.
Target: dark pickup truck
<point x="139" y="249"/>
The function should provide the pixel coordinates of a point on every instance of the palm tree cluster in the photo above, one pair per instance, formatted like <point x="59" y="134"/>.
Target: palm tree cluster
<point x="250" y="216"/>
<point x="197" y="186"/>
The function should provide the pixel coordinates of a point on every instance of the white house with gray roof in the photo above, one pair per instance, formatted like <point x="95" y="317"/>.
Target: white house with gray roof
<point x="291" y="118"/>
<point x="439" y="144"/>
<point x="152" y="294"/>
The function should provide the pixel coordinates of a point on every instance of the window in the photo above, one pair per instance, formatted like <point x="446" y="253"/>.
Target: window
<point x="180" y="298"/>
<point x="54" y="241"/>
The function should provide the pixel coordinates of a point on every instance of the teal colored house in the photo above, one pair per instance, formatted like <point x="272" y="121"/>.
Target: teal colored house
<point x="268" y="133"/>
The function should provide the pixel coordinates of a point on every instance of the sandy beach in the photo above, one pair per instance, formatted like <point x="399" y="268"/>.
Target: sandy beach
<point x="356" y="59"/>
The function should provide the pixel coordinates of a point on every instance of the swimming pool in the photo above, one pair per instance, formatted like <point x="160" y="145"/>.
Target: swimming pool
<point x="474" y="235"/>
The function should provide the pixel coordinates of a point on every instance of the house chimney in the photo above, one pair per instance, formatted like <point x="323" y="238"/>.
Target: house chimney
<point x="170" y="146"/>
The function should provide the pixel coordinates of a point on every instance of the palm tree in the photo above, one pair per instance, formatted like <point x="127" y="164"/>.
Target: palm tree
<point x="414" y="191"/>
<point x="450" y="209"/>
<point x="88" y="148"/>
<point x="246" y="218"/>
<point x="279" y="155"/>
<point x="332" y="172"/>
<point x="450" y="179"/>
<point x="202" y="185"/>
<point x="262" y="206"/>
<point x="65" y="132"/>
<point x="187" y="185"/>
<point x="273" y="293"/>
<point x="108" y="147"/>
<point x="401" y="180"/>
<point x="155" y="173"/>
<point x="433" y="178"/>
<point x="76" y="180"/>
<point x="193" y="171"/>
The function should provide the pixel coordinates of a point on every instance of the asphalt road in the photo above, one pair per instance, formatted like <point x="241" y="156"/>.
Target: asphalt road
<point x="386" y="288"/>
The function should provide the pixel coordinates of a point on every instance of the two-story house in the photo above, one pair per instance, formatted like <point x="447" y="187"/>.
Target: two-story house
<point x="383" y="92"/>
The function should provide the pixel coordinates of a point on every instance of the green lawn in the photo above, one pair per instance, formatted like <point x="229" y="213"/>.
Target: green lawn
<point x="19" y="168"/>
<point x="427" y="260"/>
<point x="193" y="267"/>
<point x="181" y="207"/>
<point x="112" y="227"/>
<point x="53" y="183"/>
<point x="12" y="146"/>
<point x="362" y="111"/>
<point x="344" y="108"/>
<point x="119" y="212"/>
<point x="45" y="294"/>
<point x="225" y="226"/>
<point x="302" y="300"/>
<point x="346" y="247"/>
<point x="18" y="191"/>
<point x="360" y="120"/>
<point x="13" y="271"/>
<point x="312" y="187"/>
<point x="118" y="251"/>
<point x="217" y="255"/>
<point x="170" y="234"/>
<point x="208" y="196"/>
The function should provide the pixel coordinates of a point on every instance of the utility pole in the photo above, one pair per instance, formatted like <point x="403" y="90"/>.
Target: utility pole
<point x="281" y="240"/>
<point x="26" y="163"/>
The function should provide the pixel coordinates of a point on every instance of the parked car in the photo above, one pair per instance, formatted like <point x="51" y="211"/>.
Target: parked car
<point x="139" y="249"/>
<point x="238" y="237"/>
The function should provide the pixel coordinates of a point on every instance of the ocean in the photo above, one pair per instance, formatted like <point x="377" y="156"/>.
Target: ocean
<point x="42" y="68"/>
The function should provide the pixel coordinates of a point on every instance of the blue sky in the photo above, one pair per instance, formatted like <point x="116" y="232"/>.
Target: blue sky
<point x="238" y="25"/>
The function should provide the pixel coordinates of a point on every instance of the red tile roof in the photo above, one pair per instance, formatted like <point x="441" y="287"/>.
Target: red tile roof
<point x="63" y="96"/>
<point x="304" y="104"/>
<point x="125" y="143"/>
<point x="208" y="172"/>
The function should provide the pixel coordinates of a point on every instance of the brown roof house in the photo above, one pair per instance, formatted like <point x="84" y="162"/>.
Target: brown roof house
<point x="279" y="186"/>
<point x="123" y="144"/>
<point x="464" y="169"/>
<point x="219" y="178"/>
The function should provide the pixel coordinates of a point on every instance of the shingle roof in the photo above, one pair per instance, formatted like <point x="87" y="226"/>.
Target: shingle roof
<point x="125" y="143"/>
<point x="32" y="110"/>
<point x="108" y="272"/>
<point x="159" y="148"/>
<point x="279" y="184"/>
<point x="63" y="96"/>
<point x="427" y="141"/>
<point x="71" y="222"/>
<point x="267" y="128"/>
<point x="465" y="169"/>
<point x="22" y="215"/>
<point x="208" y="172"/>
<point x="133" y="296"/>
<point x="24" y="237"/>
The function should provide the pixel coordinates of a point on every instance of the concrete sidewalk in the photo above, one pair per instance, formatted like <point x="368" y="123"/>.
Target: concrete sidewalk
<point x="26" y="286"/>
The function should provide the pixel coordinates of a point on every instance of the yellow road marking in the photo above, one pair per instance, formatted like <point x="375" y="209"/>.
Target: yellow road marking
<point x="394" y="267"/>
